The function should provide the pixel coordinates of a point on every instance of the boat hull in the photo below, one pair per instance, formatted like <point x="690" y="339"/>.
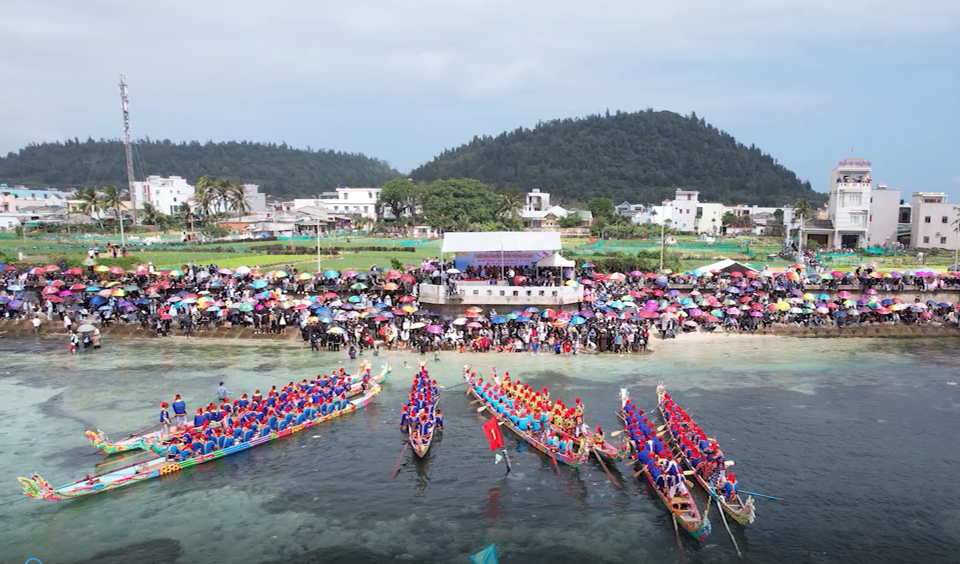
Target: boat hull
<point x="100" y="442"/>
<point x="575" y="460"/>
<point x="742" y="512"/>
<point x="37" y="487"/>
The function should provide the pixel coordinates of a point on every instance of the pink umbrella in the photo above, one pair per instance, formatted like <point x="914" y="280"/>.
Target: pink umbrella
<point x="66" y="293"/>
<point x="843" y="294"/>
<point x="435" y="329"/>
<point x="474" y="325"/>
<point x="349" y="273"/>
<point x="635" y="273"/>
<point x="756" y="314"/>
<point x="733" y="311"/>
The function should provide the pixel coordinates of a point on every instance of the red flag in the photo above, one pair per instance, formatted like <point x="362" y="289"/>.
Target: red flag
<point x="492" y="432"/>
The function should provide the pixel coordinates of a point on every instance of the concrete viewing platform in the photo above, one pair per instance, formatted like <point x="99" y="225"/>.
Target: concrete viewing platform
<point x="500" y="295"/>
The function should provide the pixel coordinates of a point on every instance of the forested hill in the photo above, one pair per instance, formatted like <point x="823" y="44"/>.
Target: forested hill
<point x="640" y="157"/>
<point x="280" y="170"/>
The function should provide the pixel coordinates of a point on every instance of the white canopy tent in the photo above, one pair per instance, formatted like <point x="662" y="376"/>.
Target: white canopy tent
<point x="555" y="261"/>
<point x="513" y="247"/>
<point x="726" y="266"/>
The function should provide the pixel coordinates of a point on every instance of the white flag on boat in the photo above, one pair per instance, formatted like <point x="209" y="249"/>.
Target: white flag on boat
<point x="498" y="458"/>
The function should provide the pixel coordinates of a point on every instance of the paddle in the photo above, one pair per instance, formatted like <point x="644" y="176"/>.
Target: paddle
<point x="402" y="452"/>
<point x="600" y="460"/>
<point x="141" y="431"/>
<point x="616" y="433"/>
<point x="451" y="387"/>
<point x="481" y="408"/>
<point x="724" y="517"/>
<point x="761" y="495"/>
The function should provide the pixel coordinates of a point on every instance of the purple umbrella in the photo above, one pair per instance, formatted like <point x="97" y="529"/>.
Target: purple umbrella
<point x="870" y="291"/>
<point x="587" y="313"/>
<point x="673" y="293"/>
<point x="796" y="292"/>
<point x="435" y="329"/>
<point x="696" y="312"/>
<point x="863" y="301"/>
<point x="14" y="304"/>
<point x="733" y="311"/>
<point x="429" y="267"/>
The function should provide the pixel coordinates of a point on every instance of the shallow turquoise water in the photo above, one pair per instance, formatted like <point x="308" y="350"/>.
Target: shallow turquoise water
<point x="854" y="434"/>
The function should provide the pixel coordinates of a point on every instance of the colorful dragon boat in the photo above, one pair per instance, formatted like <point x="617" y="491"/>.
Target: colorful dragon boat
<point x="143" y="441"/>
<point x="37" y="487"/>
<point x="682" y="506"/>
<point x="419" y="441"/>
<point x="742" y="512"/>
<point x="571" y="459"/>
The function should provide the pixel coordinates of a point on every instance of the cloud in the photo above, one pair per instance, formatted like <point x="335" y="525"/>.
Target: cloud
<point x="492" y="80"/>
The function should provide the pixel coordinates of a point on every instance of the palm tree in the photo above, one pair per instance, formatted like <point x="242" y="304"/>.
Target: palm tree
<point x="91" y="204"/>
<point x="185" y="214"/>
<point x="508" y="206"/>
<point x="238" y="200"/>
<point x="113" y="199"/>
<point x="222" y="191"/>
<point x="151" y="215"/>
<point x="203" y="194"/>
<point x="803" y="209"/>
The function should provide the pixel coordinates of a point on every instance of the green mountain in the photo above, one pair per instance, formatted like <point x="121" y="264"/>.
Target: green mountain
<point x="280" y="170"/>
<point x="641" y="157"/>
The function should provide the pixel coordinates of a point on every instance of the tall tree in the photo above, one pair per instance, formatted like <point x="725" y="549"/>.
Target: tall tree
<point x="91" y="204"/>
<point x="803" y="209"/>
<point x="150" y="214"/>
<point x="458" y="203"/>
<point x="113" y="200"/>
<point x="400" y="196"/>
<point x="238" y="200"/>
<point x="601" y="207"/>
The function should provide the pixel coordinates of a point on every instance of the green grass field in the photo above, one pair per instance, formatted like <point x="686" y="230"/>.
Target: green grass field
<point x="692" y="250"/>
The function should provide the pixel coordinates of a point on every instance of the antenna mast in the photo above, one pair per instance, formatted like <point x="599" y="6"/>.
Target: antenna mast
<point x="125" y="103"/>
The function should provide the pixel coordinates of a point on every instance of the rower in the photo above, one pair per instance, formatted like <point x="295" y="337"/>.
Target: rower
<point x="438" y="419"/>
<point x="598" y="438"/>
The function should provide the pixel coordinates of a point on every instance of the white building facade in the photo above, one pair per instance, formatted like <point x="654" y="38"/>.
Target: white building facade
<point x="165" y="193"/>
<point x="354" y="201"/>
<point x="850" y="202"/>
<point x="934" y="222"/>
<point x="684" y="210"/>
<point x="258" y="201"/>
<point x="884" y="219"/>
<point x="709" y="218"/>
<point x="17" y="197"/>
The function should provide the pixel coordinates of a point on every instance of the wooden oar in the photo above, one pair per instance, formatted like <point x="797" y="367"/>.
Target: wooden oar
<point x="141" y="431"/>
<point x="402" y="452"/>
<point x="555" y="465"/>
<point x="451" y="387"/>
<point x="481" y="408"/>
<point x="724" y="517"/>
<point x="616" y="433"/>
<point x="760" y="495"/>
<point x="600" y="460"/>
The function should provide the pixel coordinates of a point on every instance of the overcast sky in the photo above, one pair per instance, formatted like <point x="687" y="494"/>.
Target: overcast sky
<point x="805" y="80"/>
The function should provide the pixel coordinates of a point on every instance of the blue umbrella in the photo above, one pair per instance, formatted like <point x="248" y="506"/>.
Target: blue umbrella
<point x="522" y="319"/>
<point x="97" y="300"/>
<point x="498" y="320"/>
<point x="90" y="289"/>
<point x="532" y="309"/>
<point x="104" y="308"/>
<point x="733" y="290"/>
<point x="142" y="301"/>
<point x="258" y="284"/>
<point x="839" y="313"/>
<point x="331" y="274"/>
<point x="354" y="299"/>
<point x="577" y="320"/>
<point x="887" y="302"/>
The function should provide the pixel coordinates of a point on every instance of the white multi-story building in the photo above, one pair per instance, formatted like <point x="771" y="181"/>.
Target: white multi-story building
<point x="258" y="201"/>
<point x="684" y="210"/>
<point x="850" y="203"/>
<point x="537" y="201"/>
<point x="354" y="201"/>
<point x="884" y="219"/>
<point x="709" y="218"/>
<point x="166" y="194"/>
<point x="17" y="197"/>
<point x="934" y="222"/>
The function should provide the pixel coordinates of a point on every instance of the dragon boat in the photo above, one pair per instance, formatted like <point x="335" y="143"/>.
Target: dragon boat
<point x="741" y="511"/>
<point x="142" y="441"/>
<point x="682" y="506"/>
<point x="38" y="488"/>
<point x="571" y="459"/>
<point x="420" y="442"/>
